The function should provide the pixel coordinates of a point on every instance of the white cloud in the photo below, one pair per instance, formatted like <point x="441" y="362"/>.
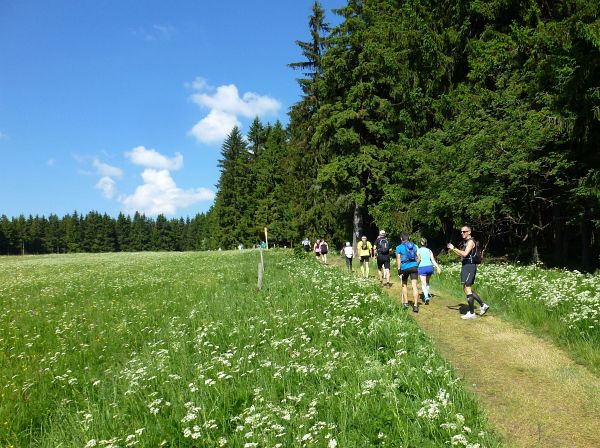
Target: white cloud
<point x="155" y="33"/>
<point x="3" y="136"/>
<point x="105" y="170"/>
<point x="159" y="194"/>
<point x="214" y="127"/>
<point x="150" y="158"/>
<point x="51" y="162"/>
<point x="107" y="186"/>
<point x="227" y="99"/>
<point x="226" y="106"/>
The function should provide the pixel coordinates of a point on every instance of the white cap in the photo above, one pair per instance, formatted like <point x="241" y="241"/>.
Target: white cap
<point x="382" y="232"/>
<point x="347" y="243"/>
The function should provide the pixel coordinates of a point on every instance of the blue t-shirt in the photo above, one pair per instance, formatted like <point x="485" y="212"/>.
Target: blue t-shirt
<point x="425" y="255"/>
<point x="401" y="249"/>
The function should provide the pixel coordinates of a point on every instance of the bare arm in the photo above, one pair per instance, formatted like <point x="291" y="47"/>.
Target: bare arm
<point x="462" y="253"/>
<point x="437" y="266"/>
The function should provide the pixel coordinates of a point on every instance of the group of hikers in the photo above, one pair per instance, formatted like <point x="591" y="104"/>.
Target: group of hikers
<point x="413" y="262"/>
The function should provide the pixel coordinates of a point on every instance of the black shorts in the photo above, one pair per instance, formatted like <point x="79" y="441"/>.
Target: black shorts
<point x="412" y="272"/>
<point x="364" y="258"/>
<point x="383" y="261"/>
<point x="468" y="273"/>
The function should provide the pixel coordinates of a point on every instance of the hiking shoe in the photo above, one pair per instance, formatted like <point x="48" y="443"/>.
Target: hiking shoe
<point x="483" y="309"/>
<point x="469" y="315"/>
<point x="415" y="308"/>
<point x="405" y="305"/>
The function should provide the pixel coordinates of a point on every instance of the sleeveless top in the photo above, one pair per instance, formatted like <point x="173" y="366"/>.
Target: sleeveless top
<point x="425" y="255"/>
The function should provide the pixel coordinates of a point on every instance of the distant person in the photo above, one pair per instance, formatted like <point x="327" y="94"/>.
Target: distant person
<point x="324" y="250"/>
<point x="426" y="262"/>
<point x="317" y="249"/>
<point x="364" y="252"/>
<point x="406" y="256"/>
<point x="306" y="244"/>
<point x="382" y="247"/>
<point x="348" y="253"/>
<point x="469" y="258"/>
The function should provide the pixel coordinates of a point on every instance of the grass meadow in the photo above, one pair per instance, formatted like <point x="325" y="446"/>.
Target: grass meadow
<point x="560" y="304"/>
<point x="180" y="350"/>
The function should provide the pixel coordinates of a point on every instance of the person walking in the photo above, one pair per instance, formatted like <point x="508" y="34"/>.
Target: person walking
<point x="348" y="253"/>
<point x="364" y="252"/>
<point x="406" y="256"/>
<point x="426" y="263"/>
<point x="469" y="259"/>
<point x="317" y="249"/>
<point x="324" y="249"/>
<point x="382" y="247"/>
<point x="306" y="244"/>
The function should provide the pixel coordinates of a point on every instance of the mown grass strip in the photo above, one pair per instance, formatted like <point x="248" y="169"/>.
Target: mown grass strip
<point x="560" y="304"/>
<point x="179" y="349"/>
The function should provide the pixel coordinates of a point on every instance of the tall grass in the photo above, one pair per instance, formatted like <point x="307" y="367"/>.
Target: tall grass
<point x="177" y="350"/>
<point x="561" y="304"/>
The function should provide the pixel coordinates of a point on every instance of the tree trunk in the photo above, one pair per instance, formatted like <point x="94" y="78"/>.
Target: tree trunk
<point x="357" y="224"/>
<point x="586" y="241"/>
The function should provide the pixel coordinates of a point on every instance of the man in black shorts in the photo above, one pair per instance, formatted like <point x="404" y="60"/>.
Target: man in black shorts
<point x="406" y="256"/>
<point x="382" y="246"/>
<point x="468" y="272"/>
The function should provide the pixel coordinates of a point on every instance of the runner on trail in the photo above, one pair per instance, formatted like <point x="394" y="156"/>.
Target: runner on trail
<point x="348" y="253"/>
<point x="364" y="252"/>
<point x="324" y="249"/>
<point x="382" y="247"/>
<point x="317" y="249"/>
<point x="426" y="263"/>
<point x="306" y="244"/>
<point x="406" y="256"/>
<point x="468" y="271"/>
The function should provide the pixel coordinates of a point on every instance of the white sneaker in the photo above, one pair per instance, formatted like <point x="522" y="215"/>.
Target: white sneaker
<point x="483" y="309"/>
<point x="469" y="315"/>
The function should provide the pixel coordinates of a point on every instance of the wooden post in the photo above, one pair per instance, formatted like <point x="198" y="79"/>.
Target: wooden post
<point x="261" y="270"/>
<point x="266" y="239"/>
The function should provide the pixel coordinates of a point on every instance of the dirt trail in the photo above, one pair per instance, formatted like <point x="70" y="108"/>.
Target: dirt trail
<point x="532" y="392"/>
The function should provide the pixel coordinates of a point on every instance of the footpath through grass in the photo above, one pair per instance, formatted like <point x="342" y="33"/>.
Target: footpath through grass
<point x="179" y="349"/>
<point x="560" y="304"/>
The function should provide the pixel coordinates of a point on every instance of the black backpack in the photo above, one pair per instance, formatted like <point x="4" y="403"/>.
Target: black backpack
<point x="383" y="247"/>
<point x="476" y="254"/>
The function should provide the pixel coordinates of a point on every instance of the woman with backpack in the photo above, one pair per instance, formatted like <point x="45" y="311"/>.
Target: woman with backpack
<point x="364" y="252"/>
<point x="426" y="262"/>
<point x="317" y="249"/>
<point x="324" y="248"/>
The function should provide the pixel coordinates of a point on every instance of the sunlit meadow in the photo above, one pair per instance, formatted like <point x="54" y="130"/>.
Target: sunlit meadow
<point x="558" y="303"/>
<point x="179" y="349"/>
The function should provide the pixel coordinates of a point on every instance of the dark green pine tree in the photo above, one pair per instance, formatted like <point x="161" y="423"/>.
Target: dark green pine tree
<point x="140" y="233"/>
<point x="231" y="200"/>
<point x="123" y="232"/>
<point x="72" y="230"/>
<point x="54" y="241"/>
<point x="162" y="237"/>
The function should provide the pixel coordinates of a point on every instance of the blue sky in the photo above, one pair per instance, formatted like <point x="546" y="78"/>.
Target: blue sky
<point x="122" y="105"/>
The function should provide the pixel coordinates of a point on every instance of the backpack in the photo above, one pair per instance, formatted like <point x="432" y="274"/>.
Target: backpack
<point x="411" y="252"/>
<point x="383" y="247"/>
<point x="324" y="248"/>
<point x="476" y="254"/>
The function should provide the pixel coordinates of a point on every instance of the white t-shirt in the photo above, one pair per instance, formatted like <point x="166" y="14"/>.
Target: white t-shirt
<point x="348" y="251"/>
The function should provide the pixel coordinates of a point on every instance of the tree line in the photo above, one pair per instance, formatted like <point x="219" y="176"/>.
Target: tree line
<point x="95" y="232"/>
<point x="420" y="116"/>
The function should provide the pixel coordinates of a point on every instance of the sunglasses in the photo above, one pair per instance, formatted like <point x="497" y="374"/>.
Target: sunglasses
<point x="464" y="231"/>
